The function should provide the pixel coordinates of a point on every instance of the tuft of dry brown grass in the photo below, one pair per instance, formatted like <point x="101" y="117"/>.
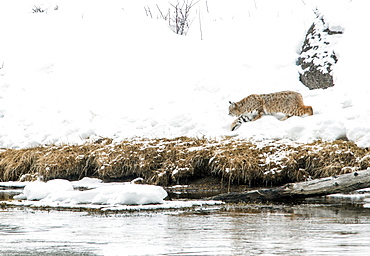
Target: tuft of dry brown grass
<point x="15" y="163"/>
<point x="185" y="160"/>
<point x="67" y="162"/>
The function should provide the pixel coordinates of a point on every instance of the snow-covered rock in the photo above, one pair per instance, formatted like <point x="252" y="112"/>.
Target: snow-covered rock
<point x="318" y="56"/>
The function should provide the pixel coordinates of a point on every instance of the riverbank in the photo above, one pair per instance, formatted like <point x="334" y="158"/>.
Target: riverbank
<point x="196" y="162"/>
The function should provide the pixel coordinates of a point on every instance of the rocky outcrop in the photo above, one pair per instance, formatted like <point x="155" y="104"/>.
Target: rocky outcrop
<point x="317" y="56"/>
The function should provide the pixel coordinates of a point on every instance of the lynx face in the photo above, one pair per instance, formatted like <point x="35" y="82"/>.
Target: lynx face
<point x="234" y="110"/>
<point x="250" y="105"/>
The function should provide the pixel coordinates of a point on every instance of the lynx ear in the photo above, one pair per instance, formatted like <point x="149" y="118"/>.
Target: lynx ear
<point x="231" y="102"/>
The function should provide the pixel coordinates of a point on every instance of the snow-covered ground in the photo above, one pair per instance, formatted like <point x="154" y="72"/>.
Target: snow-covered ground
<point x="95" y="68"/>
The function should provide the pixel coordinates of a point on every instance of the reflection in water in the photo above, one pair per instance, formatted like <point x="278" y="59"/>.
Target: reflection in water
<point x="295" y="230"/>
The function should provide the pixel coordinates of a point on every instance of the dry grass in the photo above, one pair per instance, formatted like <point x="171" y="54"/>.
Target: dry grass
<point x="185" y="160"/>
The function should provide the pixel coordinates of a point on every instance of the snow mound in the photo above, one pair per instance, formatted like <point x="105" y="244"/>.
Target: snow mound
<point x="62" y="191"/>
<point x="38" y="190"/>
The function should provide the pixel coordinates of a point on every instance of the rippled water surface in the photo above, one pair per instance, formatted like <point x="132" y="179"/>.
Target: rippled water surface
<point x="296" y="230"/>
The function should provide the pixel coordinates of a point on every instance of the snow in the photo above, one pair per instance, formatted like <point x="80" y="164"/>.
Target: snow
<point x="40" y="190"/>
<point x="93" y="194"/>
<point x="62" y="191"/>
<point x="105" y="69"/>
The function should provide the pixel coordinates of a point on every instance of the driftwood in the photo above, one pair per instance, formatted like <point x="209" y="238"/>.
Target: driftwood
<point x="319" y="187"/>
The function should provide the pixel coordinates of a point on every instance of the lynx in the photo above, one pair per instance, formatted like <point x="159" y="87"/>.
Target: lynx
<point x="255" y="106"/>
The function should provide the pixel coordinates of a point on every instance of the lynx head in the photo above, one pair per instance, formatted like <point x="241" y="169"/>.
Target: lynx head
<point x="235" y="109"/>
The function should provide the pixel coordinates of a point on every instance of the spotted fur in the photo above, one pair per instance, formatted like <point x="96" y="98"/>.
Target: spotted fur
<point x="255" y="106"/>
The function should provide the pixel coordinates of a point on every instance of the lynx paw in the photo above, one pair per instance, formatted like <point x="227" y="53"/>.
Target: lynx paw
<point x="235" y="126"/>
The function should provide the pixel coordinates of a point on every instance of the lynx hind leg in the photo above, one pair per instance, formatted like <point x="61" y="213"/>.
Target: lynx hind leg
<point x="285" y="117"/>
<point x="309" y="110"/>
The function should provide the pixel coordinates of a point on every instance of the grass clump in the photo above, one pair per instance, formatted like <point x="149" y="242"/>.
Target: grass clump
<point x="186" y="160"/>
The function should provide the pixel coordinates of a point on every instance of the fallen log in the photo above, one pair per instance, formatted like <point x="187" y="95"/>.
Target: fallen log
<point x="292" y="191"/>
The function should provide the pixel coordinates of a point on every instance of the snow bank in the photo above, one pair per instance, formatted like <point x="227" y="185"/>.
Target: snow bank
<point x="90" y="69"/>
<point x="62" y="191"/>
<point x="39" y="190"/>
<point x="98" y="196"/>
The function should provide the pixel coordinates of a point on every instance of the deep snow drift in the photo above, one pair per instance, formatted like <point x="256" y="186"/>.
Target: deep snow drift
<point x="86" y="69"/>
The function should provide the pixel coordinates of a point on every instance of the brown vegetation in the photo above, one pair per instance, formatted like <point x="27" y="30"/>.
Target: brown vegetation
<point x="185" y="160"/>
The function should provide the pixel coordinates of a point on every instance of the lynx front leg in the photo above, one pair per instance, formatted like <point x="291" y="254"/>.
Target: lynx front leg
<point x="239" y="121"/>
<point x="255" y="115"/>
<point x="245" y="118"/>
<point x="236" y="124"/>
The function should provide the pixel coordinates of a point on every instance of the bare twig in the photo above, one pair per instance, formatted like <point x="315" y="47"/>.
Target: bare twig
<point x="148" y="12"/>
<point x="200" y="26"/>
<point x="181" y="17"/>
<point x="178" y="15"/>
<point x="160" y="11"/>
<point x="38" y="9"/>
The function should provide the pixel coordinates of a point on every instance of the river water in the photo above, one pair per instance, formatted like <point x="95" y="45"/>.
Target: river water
<point x="304" y="229"/>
